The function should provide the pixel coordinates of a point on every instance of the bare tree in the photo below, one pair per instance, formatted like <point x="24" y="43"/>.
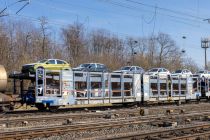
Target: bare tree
<point x="73" y="37"/>
<point x="191" y="65"/>
<point x="21" y="42"/>
<point x="132" y="45"/>
<point x="151" y="51"/>
<point x="166" y="47"/>
<point x="44" y="28"/>
<point x="106" y="48"/>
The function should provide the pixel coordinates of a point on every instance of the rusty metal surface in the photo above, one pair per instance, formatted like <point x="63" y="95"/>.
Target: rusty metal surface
<point x="5" y="98"/>
<point x="3" y="79"/>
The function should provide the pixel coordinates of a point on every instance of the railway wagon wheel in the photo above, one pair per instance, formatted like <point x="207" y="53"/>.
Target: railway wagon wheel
<point x="4" y="109"/>
<point x="41" y="107"/>
<point x="53" y="108"/>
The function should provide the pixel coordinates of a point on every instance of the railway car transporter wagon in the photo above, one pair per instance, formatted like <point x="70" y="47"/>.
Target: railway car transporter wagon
<point x="54" y="88"/>
<point x="65" y="87"/>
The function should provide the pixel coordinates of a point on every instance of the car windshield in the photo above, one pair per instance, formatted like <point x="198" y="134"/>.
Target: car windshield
<point x="84" y="65"/>
<point x="178" y="71"/>
<point x="125" y="68"/>
<point x="42" y="61"/>
<point x="153" y="70"/>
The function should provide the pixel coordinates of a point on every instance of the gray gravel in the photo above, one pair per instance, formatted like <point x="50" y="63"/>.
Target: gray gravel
<point x="115" y="131"/>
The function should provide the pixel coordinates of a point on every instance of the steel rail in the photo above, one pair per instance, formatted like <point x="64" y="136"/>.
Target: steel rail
<point x="161" y="134"/>
<point x="91" y="115"/>
<point x="192" y="136"/>
<point x="48" y="131"/>
<point x="19" y="113"/>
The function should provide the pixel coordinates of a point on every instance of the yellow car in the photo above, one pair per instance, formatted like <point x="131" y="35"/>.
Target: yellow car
<point x="50" y="64"/>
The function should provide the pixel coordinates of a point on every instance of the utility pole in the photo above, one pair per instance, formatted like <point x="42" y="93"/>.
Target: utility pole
<point x="183" y="45"/>
<point x="205" y="45"/>
<point x="26" y="44"/>
<point x="133" y="53"/>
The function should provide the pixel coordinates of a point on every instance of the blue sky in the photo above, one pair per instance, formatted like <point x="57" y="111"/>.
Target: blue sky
<point x="127" y="17"/>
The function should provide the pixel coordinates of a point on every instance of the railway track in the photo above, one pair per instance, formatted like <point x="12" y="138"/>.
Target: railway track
<point x="95" y="125"/>
<point x="135" y="113"/>
<point x="91" y="116"/>
<point x="22" y="113"/>
<point x="184" y="133"/>
<point x="17" y="113"/>
<point x="61" y="129"/>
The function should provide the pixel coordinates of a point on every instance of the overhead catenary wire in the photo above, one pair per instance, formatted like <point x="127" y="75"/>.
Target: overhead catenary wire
<point x="7" y="6"/>
<point x="68" y="11"/>
<point x="152" y="19"/>
<point x="119" y="34"/>
<point x="136" y="16"/>
<point x="117" y="12"/>
<point x="173" y="18"/>
<point x="166" y="9"/>
<point x="52" y="22"/>
<point x="93" y="10"/>
<point x="27" y="3"/>
<point x="149" y="22"/>
<point x="182" y="20"/>
<point x="155" y="15"/>
<point x="134" y="8"/>
<point x="61" y="24"/>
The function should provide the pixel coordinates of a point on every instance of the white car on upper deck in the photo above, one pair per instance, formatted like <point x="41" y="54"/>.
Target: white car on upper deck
<point x="202" y="74"/>
<point x="158" y="72"/>
<point x="182" y="73"/>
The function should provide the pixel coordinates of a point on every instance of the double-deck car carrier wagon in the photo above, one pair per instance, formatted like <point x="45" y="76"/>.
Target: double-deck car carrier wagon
<point x="54" y="88"/>
<point x="65" y="87"/>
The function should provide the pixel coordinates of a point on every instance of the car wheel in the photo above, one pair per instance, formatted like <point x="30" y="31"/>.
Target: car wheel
<point x="40" y="67"/>
<point x="5" y="109"/>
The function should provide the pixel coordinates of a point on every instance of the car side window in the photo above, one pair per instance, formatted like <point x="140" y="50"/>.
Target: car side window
<point x="99" y="66"/>
<point x="137" y="68"/>
<point x="102" y="66"/>
<point x="160" y="70"/>
<point x="51" y="62"/>
<point x="164" y="70"/>
<point x="133" y="69"/>
<point x="60" y="62"/>
<point x="92" y="66"/>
